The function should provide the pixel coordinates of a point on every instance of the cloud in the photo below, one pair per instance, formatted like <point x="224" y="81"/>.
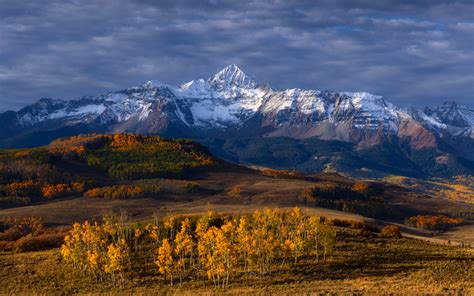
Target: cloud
<point x="412" y="52"/>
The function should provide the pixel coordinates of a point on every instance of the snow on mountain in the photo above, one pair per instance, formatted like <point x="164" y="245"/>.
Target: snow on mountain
<point x="230" y="98"/>
<point x="49" y="109"/>
<point x="451" y="113"/>
<point x="196" y="89"/>
<point x="373" y="111"/>
<point x="305" y="101"/>
<point x="231" y="78"/>
<point x="431" y="121"/>
<point x="449" y="119"/>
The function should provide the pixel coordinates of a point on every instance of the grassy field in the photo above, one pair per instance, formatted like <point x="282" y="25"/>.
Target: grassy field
<point x="359" y="265"/>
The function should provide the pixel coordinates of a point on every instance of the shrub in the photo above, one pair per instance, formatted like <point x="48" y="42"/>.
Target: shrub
<point x="41" y="242"/>
<point x="50" y="191"/>
<point x="361" y="188"/>
<point x="391" y="231"/>
<point x="23" y="188"/>
<point x="364" y="233"/>
<point x="235" y="191"/>
<point x="281" y="173"/>
<point x="12" y="234"/>
<point x="15" y="228"/>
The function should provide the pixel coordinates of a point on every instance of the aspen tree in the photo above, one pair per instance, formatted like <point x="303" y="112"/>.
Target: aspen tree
<point x="313" y="238"/>
<point x="183" y="248"/>
<point x="328" y="239"/>
<point x="117" y="255"/>
<point x="297" y="234"/>
<point x="246" y="243"/>
<point x="165" y="260"/>
<point x="265" y="238"/>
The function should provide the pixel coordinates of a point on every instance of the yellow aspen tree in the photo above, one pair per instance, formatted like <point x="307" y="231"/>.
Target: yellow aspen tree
<point x="72" y="248"/>
<point x="284" y="249"/>
<point x="152" y="231"/>
<point x="217" y="253"/>
<point x="297" y="234"/>
<point x="203" y="243"/>
<point x="117" y="255"/>
<point x="328" y="239"/>
<point x="272" y="243"/>
<point x="93" y="258"/>
<point x="227" y="255"/>
<point x="265" y="238"/>
<point x="183" y="248"/>
<point x="206" y="247"/>
<point x="245" y="242"/>
<point x="170" y="226"/>
<point x="313" y="238"/>
<point x="165" y="260"/>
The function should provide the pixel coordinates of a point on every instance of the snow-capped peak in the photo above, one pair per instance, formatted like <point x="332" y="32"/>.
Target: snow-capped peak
<point x="231" y="76"/>
<point x="195" y="89"/>
<point x="153" y="84"/>
<point x="451" y="113"/>
<point x="366" y="101"/>
<point x="231" y="99"/>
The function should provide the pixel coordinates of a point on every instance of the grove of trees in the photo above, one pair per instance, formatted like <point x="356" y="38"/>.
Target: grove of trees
<point x="116" y="192"/>
<point x="210" y="247"/>
<point x="440" y="222"/>
<point x="359" y="198"/>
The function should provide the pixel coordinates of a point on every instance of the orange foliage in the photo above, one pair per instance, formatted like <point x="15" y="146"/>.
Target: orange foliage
<point x="125" y="142"/>
<point x="50" y="191"/>
<point x="434" y="222"/>
<point x="30" y="188"/>
<point x="75" y="145"/>
<point x="360" y="187"/>
<point x="116" y="192"/>
<point x="280" y="173"/>
<point x="23" y="188"/>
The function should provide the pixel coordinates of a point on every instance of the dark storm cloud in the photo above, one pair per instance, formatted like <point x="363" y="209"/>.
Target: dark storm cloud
<point x="412" y="52"/>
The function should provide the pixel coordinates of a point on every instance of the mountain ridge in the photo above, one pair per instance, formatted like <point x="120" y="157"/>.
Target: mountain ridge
<point x="231" y="104"/>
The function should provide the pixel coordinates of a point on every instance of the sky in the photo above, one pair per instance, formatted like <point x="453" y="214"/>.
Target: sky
<point x="415" y="53"/>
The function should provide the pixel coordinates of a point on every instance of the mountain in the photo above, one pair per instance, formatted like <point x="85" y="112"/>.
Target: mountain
<point x="437" y="140"/>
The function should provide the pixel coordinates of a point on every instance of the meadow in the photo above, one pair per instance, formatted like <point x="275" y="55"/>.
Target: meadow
<point x="361" y="260"/>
